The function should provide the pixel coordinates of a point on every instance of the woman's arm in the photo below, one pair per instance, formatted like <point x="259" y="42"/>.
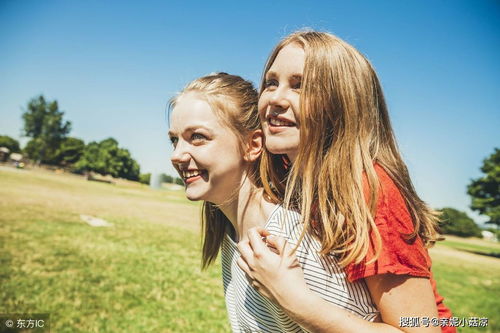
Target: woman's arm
<point x="277" y="275"/>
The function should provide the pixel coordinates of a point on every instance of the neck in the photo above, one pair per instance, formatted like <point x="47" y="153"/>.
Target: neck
<point x="292" y="155"/>
<point x="248" y="209"/>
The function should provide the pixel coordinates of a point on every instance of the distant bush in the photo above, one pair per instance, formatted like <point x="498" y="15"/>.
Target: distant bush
<point x="145" y="178"/>
<point x="179" y="181"/>
<point x="455" y="222"/>
<point x="10" y="143"/>
<point x="167" y="178"/>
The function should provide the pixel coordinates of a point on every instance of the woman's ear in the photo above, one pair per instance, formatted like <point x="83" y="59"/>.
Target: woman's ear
<point x="254" y="146"/>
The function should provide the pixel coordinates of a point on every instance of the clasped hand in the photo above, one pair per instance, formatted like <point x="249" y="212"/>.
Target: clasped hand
<point x="271" y="266"/>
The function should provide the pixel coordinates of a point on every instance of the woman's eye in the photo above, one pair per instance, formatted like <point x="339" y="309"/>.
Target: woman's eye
<point x="174" y="140"/>
<point x="270" y="83"/>
<point x="198" y="137"/>
<point x="297" y="85"/>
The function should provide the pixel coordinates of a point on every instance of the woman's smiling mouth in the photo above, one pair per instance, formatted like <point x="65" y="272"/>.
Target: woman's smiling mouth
<point x="279" y="124"/>
<point x="191" y="176"/>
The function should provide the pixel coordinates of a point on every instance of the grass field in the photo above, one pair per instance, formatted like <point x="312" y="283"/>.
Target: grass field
<point x="142" y="274"/>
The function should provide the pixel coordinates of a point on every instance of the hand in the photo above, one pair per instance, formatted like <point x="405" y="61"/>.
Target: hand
<point x="271" y="266"/>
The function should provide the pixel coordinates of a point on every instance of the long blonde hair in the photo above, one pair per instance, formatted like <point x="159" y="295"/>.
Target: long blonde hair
<point x="234" y="101"/>
<point x="344" y="130"/>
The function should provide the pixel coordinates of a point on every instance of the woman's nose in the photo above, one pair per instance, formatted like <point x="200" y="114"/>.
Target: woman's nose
<point x="179" y="155"/>
<point x="279" y="98"/>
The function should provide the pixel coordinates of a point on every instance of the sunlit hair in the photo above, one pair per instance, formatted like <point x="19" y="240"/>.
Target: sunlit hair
<point x="234" y="101"/>
<point x="344" y="130"/>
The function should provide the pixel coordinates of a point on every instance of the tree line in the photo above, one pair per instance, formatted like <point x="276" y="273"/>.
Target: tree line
<point x="50" y="144"/>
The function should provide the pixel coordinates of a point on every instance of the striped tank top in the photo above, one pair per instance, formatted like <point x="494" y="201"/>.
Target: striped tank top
<point x="251" y="312"/>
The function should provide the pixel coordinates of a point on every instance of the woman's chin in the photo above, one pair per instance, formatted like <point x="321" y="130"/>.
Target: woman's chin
<point x="193" y="195"/>
<point x="193" y="198"/>
<point x="282" y="149"/>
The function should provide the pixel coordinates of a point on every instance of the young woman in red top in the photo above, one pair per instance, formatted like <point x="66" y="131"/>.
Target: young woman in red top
<point x="322" y="108"/>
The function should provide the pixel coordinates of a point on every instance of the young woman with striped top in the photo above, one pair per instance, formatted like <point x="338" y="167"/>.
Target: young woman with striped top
<point x="217" y="138"/>
<point x="322" y="109"/>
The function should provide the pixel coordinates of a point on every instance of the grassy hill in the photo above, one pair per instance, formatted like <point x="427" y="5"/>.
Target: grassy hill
<point x="142" y="274"/>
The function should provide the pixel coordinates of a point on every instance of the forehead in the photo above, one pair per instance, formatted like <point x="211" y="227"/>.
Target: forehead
<point x="192" y="111"/>
<point x="290" y="58"/>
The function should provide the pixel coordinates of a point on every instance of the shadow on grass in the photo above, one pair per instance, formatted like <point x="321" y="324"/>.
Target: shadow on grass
<point x="487" y="254"/>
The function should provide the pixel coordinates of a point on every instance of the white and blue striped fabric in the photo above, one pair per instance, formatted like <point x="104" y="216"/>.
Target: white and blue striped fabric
<point x="251" y="312"/>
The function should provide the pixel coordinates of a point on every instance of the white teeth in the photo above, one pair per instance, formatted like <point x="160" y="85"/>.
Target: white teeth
<point x="278" y="122"/>
<point x="190" y="173"/>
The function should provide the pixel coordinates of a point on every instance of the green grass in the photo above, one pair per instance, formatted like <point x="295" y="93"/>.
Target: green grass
<point x="487" y="249"/>
<point x="470" y="284"/>
<point x="142" y="274"/>
<point x="138" y="276"/>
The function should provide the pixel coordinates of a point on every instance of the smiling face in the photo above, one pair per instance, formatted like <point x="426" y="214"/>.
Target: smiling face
<point x="207" y="153"/>
<point x="279" y="101"/>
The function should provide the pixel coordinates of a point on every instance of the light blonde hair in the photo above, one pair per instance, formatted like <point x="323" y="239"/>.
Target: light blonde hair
<point x="234" y="101"/>
<point x="344" y="130"/>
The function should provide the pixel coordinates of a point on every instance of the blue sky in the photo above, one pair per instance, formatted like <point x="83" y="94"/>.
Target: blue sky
<point x="113" y="65"/>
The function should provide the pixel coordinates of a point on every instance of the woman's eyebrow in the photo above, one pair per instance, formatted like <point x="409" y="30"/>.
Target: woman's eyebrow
<point x="271" y="74"/>
<point x="195" y="127"/>
<point x="190" y="129"/>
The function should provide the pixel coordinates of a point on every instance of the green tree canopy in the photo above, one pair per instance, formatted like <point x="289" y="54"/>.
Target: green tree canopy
<point x="485" y="191"/>
<point x="44" y="124"/>
<point x="145" y="178"/>
<point x="167" y="178"/>
<point x="33" y="151"/>
<point x="70" y="151"/>
<point x="455" y="222"/>
<point x="107" y="158"/>
<point x="10" y="143"/>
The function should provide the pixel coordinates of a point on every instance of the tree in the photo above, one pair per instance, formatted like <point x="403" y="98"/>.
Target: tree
<point x="145" y="178"/>
<point x="43" y="122"/>
<point x="455" y="222"/>
<point x="167" y="178"/>
<point x="70" y="151"/>
<point x="10" y="143"/>
<point x="107" y="158"/>
<point x="179" y="181"/>
<point x="32" y="150"/>
<point x="485" y="191"/>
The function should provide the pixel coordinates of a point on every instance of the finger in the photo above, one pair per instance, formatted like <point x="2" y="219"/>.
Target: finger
<point x="244" y="267"/>
<point x="246" y="252"/>
<point x="262" y="232"/>
<point x="272" y="248"/>
<point x="255" y="284"/>
<point x="258" y="245"/>
<point x="278" y="243"/>
<point x="258" y="287"/>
